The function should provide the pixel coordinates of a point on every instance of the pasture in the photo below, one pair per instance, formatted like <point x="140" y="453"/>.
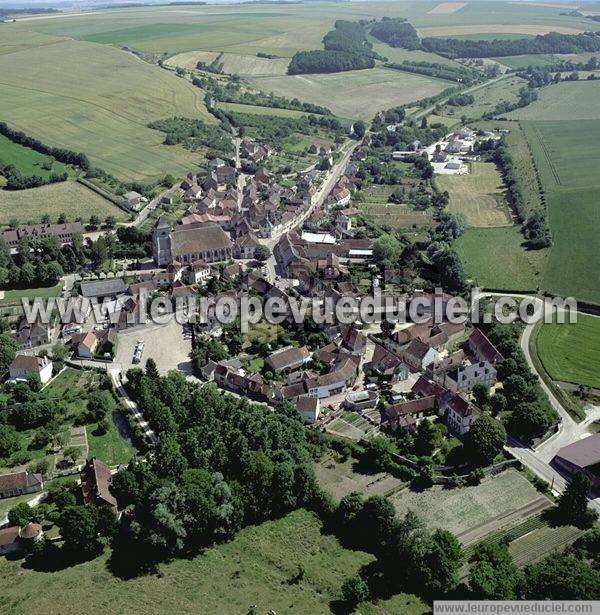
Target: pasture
<point x="496" y="258"/>
<point x="473" y="512"/>
<point x="70" y="198"/>
<point x="355" y="94"/>
<point x="233" y="63"/>
<point x="573" y="100"/>
<point x="255" y="568"/>
<point x="524" y="61"/>
<point x="570" y="352"/>
<point x="28" y="161"/>
<point x="478" y="195"/>
<point x="101" y="105"/>
<point x="567" y="157"/>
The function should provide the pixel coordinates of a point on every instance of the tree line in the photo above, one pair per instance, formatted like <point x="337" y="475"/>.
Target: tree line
<point x="434" y="69"/>
<point x="550" y="43"/>
<point x="193" y="134"/>
<point x="65" y="156"/>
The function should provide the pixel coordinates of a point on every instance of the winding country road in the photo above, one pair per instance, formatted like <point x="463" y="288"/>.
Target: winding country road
<point x="539" y="460"/>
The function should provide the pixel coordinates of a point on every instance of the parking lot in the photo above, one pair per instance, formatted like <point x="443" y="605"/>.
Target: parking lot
<point x="167" y="344"/>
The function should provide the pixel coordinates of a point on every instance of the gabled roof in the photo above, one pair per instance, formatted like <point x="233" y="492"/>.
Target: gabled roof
<point x="414" y="406"/>
<point x="582" y="453"/>
<point x="19" y="480"/>
<point x="483" y="348"/>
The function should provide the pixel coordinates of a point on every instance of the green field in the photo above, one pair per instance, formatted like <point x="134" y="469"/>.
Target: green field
<point x="576" y="100"/>
<point x="570" y="352"/>
<point x="495" y="258"/>
<point x="487" y="506"/>
<point x="100" y="105"/>
<point x="478" y="195"/>
<point x="542" y="542"/>
<point x="70" y="198"/>
<point x="28" y="161"/>
<point x="518" y="62"/>
<point x="255" y="568"/>
<point x="355" y="94"/>
<point x="567" y="157"/>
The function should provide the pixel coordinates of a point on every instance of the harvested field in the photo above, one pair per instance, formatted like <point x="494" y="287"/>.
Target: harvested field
<point x="70" y="198"/>
<point x="233" y="63"/>
<point x="446" y="7"/>
<point x="354" y="94"/>
<point x="478" y="195"/>
<point x="340" y="479"/>
<point x="474" y="512"/>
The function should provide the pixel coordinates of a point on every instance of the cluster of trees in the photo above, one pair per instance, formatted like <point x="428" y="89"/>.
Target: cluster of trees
<point x="62" y="155"/>
<point x="350" y="36"/>
<point x="15" y="180"/>
<point x="272" y="129"/>
<point x="216" y="66"/>
<point x="553" y="42"/>
<point x="219" y="463"/>
<point x="193" y="134"/>
<point x="324" y="61"/>
<point x="396" y="32"/>
<point x="530" y="411"/>
<point x="525" y="97"/>
<point x="535" y="226"/>
<point x="431" y="560"/>
<point x="346" y="48"/>
<point x="461" y="100"/>
<point x="439" y="71"/>
<point x="540" y="76"/>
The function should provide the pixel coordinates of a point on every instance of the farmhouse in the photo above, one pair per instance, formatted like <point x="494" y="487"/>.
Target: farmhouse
<point x="20" y="483"/>
<point x="25" y="365"/>
<point x="133" y="200"/>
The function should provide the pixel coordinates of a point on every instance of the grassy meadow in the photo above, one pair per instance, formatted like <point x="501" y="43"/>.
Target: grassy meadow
<point x="570" y="352"/>
<point x="101" y="105"/>
<point x="478" y="195"/>
<point x="28" y="161"/>
<point x="70" y="197"/>
<point x="257" y="567"/>
<point x="495" y="258"/>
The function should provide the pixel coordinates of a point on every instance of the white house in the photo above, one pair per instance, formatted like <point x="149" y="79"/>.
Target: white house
<point x="460" y="413"/>
<point x="198" y="272"/>
<point x="419" y="355"/>
<point x="25" y="365"/>
<point x="464" y="378"/>
<point x="333" y="383"/>
<point x="309" y="409"/>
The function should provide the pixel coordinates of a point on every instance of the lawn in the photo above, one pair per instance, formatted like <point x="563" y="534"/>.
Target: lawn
<point x="573" y="100"/>
<point x="478" y="195"/>
<point x="112" y="447"/>
<point x="15" y="296"/>
<point x="570" y="352"/>
<point x="70" y="197"/>
<point x="101" y="106"/>
<point x="494" y="503"/>
<point x="255" y="568"/>
<point x="355" y="94"/>
<point x="28" y="161"/>
<point x="495" y="258"/>
<point x="567" y="157"/>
